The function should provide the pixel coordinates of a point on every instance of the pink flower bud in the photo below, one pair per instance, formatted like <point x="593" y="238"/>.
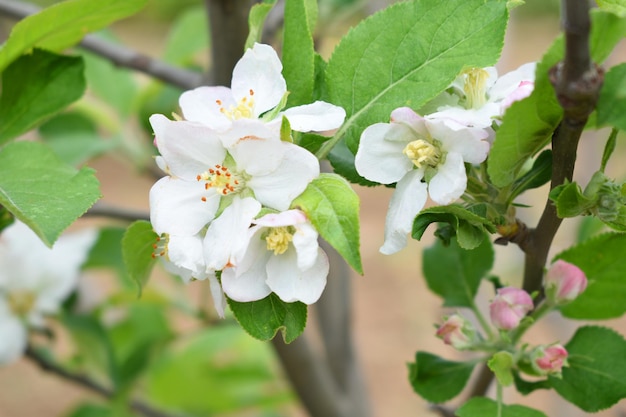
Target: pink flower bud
<point x="457" y="332"/>
<point x="549" y="359"/>
<point x="564" y="282"/>
<point x="509" y="307"/>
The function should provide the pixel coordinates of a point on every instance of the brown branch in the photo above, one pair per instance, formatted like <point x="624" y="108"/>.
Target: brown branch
<point x="86" y="382"/>
<point x="118" y="54"/>
<point x="101" y="209"/>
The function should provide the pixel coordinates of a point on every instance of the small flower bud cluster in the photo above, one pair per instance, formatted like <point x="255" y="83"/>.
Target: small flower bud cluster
<point x="564" y="282"/>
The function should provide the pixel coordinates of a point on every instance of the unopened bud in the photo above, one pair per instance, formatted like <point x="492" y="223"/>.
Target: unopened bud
<point x="549" y="360"/>
<point x="457" y="332"/>
<point x="564" y="282"/>
<point x="509" y="307"/>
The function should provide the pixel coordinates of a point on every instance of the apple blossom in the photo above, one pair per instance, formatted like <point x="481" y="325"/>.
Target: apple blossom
<point x="549" y="360"/>
<point x="34" y="281"/>
<point x="426" y="157"/>
<point x="477" y="97"/>
<point x="457" y="331"/>
<point x="283" y="256"/>
<point x="509" y="307"/>
<point x="564" y="282"/>
<point x="205" y="167"/>
<point x="257" y="87"/>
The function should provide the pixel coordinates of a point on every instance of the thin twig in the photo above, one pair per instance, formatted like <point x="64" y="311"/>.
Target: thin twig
<point x="118" y="54"/>
<point x="86" y="382"/>
<point x="101" y="209"/>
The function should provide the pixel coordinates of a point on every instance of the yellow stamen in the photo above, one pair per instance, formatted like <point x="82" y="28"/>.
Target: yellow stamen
<point x="21" y="302"/>
<point x="475" y="87"/>
<point x="278" y="240"/>
<point x="243" y="110"/>
<point x="422" y="153"/>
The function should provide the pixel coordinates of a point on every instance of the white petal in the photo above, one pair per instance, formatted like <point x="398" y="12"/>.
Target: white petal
<point x="285" y="218"/>
<point x="317" y="117"/>
<point x="186" y="252"/>
<point x="278" y="188"/>
<point x="407" y="201"/>
<point x="291" y="283"/>
<point x="459" y="116"/>
<point x="258" y="156"/>
<point x="307" y="247"/>
<point x="219" y="301"/>
<point x="449" y="182"/>
<point x="382" y="160"/>
<point x="471" y="143"/>
<point x="510" y="81"/>
<point x="188" y="149"/>
<point x="246" y="281"/>
<point x="406" y="116"/>
<point x="176" y="206"/>
<point x="228" y="232"/>
<point x="13" y="339"/>
<point x="259" y="71"/>
<point x="204" y="104"/>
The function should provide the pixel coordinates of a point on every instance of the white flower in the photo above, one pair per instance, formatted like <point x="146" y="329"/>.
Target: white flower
<point x="34" y="281"/>
<point x="425" y="157"/>
<point x="206" y="167"/>
<point x="257" y="87"/>
<point x="479" y="97"/>
<point x="282" y="256"/>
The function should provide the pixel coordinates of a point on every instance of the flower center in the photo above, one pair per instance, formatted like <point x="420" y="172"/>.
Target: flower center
<point x="243" y="109"/>
<point x="278" y="239"/>
<point x="222" y="179"/>
<point x="422" y="153"/>
<point x="21" y="302"/>
<point x="475" y="87"/>
<point x="160" y="246"/>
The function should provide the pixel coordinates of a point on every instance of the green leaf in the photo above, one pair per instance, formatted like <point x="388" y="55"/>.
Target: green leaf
<point x="73" y="137"/>
<point x="219" y="371"/>
<point x="612" y="101"/>
<point x="538" y="175"/>
<point x="570" y="200"/>
<point x="602" y="260"/>
<point x="97" y="410"/>
<point x="107" y="253"/>
<point x="526" y="387"/>
<point x="614" y="6"/>
<point x="436" y="379"/>
<point x="137" y="250"/>
<point x="470" y="228"/>
<point x="454" y="273"/>
<point x="528" y="124"/>
<point x="408" y="53"/>
<point x="594" y="379"/>
<point x="189" y="34"/>
<point x="28" y="97"/>
<point x="262" y="319"/>
<point x="63" y="25"/>
<point x="42" y="191"/>
<point x="501" y="364"/>
<point x="332" y="206"/>
<point x="298" y="55"/>
<point x="256" y="20"/>
<point x="486" y="407"/>
<point x="342" y="161"/>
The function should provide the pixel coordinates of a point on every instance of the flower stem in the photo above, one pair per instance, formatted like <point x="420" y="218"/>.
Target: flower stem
<point x="483" y="322"/>
<point x="499" y="398"/>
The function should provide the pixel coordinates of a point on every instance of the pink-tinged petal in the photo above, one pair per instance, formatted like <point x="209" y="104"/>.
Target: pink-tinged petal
<point x="13" y="339"/>
<point x="407" y="201"/>
<point x="204" y="104"/>
<point x="259" y="71"/>
<point x="278" y="188"/>
<point x="285" y="218"/>
<point x="177" y="206"/>
<point x="188" y="149"/>
<point x="382" y="160"/>
<point x="509" y="307"/>
<point x="564" y="282"/>
<point x="245" y="130"/>
<point x="306" y="244"/>
<point x="185" y="252"/>
<point x="219" y="301"/>
<point x="247" y="281"/>
<point x="293" y="284"/>
<point x="449" y="182"/>
<point x="228" y="232"/>
<point x="406" y="116"/>
<point x="315" y="117"/>
<point x="523" y="90"/>
<point x="510" y="81"/>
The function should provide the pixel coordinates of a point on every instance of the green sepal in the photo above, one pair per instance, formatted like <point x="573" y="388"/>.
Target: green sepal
<point x="501" y="364"/>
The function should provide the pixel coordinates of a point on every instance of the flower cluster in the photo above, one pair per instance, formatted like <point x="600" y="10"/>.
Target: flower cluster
<point x="563" y="283"/>
<point x="224" y="207"/>
<point x="34" y="281"/>
<point x="426" y="155"/>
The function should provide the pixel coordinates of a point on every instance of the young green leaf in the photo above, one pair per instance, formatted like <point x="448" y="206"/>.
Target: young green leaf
<point x="187" y="36"/>
<point x="612" y="101"/>
<point x="614" y="6"/>
<point x="262" y="319"/>
<point x="63" y="25"/>
<point x="42" y="191"/>
<point x="407" y="54"/>
<point x="463" y="270"/>
<point x="486" y="407"/>
<point x="137" y="251"/>
<point x="501" y="364"/>
<point x="332" y="206"/>
<point x="436" y="379"/>
<point x="256" y="20"/>
<point x="28" y="97"/>
<point x="594" y="379"/>
<point x="298" y="50"/>
<point x="601" y="258"/>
